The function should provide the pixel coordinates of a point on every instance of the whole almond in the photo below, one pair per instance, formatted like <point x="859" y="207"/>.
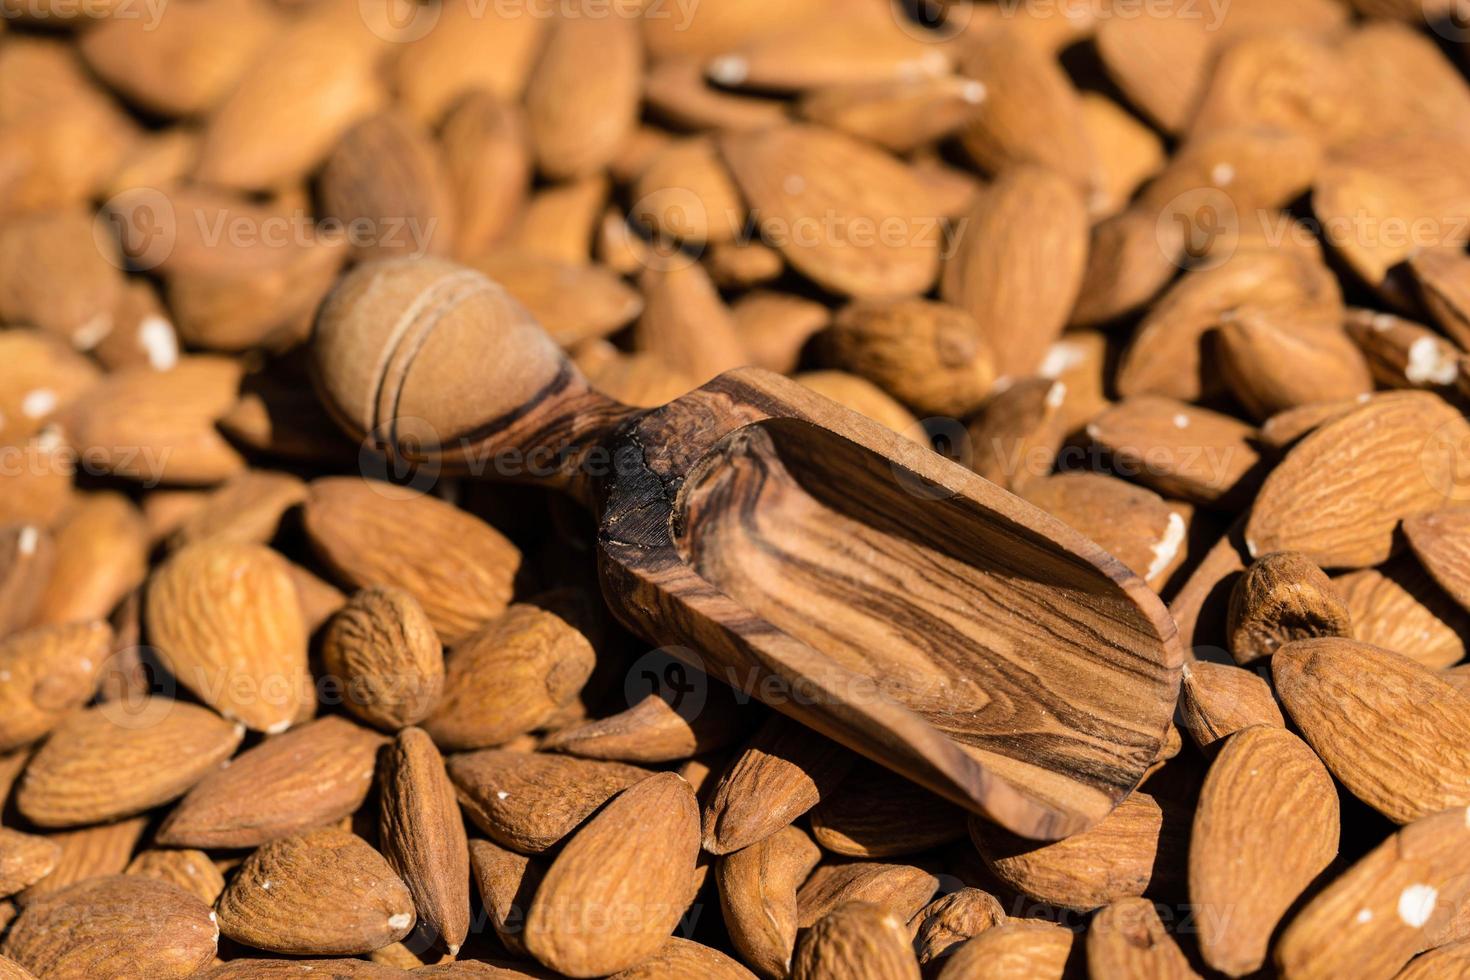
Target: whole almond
<point x="101" y="556"/>
<point x="487" y="162"/>
<point x="247" y="508"/>
<point x="191" y="870"/>
<point x="1397" y="606"/>
<point x="853" y="941"/>
<point x="507" y="881"/>
<point x="572" y="302"/>
<point x="686" y="324"/>
<point x="1403" y="463"/>
<point x="1282" y="597"/>
<point x="1396" y="735"/>
<point x="1439" y="541"/>
<point x="457" y="567"/>
<point x="635" y="861"/>
<point x="25" y="859"/>
<point x="49" y="672"/>
<point x="900" y="888"/>
<point x="820" y="197"/>
<point x="686" y="194"/>
<point x="1181" y="450"/>
<point x="1402" y="353"/>
<point x="1267" y="824"/>
<point x="87" y="853"/>
<point x="602" y="58"/>
<point x="1264" y="359"/>
<point x="116" y="926"/>
<point x="784" y="772"/>
<point x="226" y="620"/>
<point x="774" y="327"/>
<point x="1127" y="940"/>
<point x="1218" y="700"/>
<point x="652" y="731"/>
<point x="387" y="656"/>
<point x="321" y="893"/>
<point x="468" y="50"/>
<point x="1022" y="949"/>
<point x="97" y="766"/>
<point x="314" y="774"/>
<point x="423" y="838"/>
<point x="509" y="678"/>
<point x="1015" y="438"/>
<point x="54" y="276"/>
<point x="952" y="919"/>
<point x="42" y="374"/>
<point x="529" y="801"/>
<point x="1019" y="265"/>
<point x="1113" y="859"/>
<point x="757" y="887"/>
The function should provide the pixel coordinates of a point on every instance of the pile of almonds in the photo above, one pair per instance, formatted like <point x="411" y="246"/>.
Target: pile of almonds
<point x="1189" y="276"/>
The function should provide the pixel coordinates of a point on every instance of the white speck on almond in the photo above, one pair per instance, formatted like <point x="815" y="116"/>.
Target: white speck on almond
<point x="731" y="69"/>
<point x="1167" y="546"/>
<point x="1416" y="904"/>
<point x="399" y="921"/>
<point x="1429" y="363"/>
<point x="1181" y="421"/>
<point x="157" y="338"/>
<point x="38" y="404"/>
<point x="28" y="539"/>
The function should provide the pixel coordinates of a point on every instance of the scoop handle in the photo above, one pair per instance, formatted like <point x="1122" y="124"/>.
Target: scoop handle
<point x="430" y="361"/>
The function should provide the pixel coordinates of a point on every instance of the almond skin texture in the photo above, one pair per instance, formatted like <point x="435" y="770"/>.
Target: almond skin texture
<point x="88" y="852"/>
<point x="856" y="941"/>
<point x="384" y="650"/>
<point x="50" y="671"/>
<point x="527" y="801"/>
<point x="1397" y="606"/>
<point x="312" y="775"/>
<point x="1266" y="825"/>
<point x="458" y="567"/>
<point x="1113" y="859"/>
<point x="631" y="866"/>
<point x="422" y="835"/>
<point x="1280" y="598"/>
<point x="116" y="926"/>
<point x="507" y="881"/>
<point x="877" y="813"/>
<point x="191" y="870"/>
<point x="951" y="919"/>
<point x="900" y="888"/>
<point x="226" y="620"/>
<point x="1022" y="949"/>
<point x="758" y="897"/>
<point x="1390" y="730"/>
<point x="680" y="959"/>
<point x="100" y="765"/>
<point x="24" y="860"/>
<point x="322" y="893"/>
<point x="1390" y="459"/>
<point x="1439" y="540"/>
<point x="1127" y="940"/>
<point x="1218" y="700"/>
<point x="509" y="678"/>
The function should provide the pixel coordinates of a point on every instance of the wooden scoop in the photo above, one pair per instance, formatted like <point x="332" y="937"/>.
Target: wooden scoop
<point x="871" y="589"/>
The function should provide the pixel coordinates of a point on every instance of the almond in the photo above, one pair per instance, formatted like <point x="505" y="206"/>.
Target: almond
<point x="247" y="508"/>
<point x="784" y="772"/>
<point x="863" y="397"/>
<point x="1402" y="451"/>
<point x="55" y="276"/>
<point x="774" y="326"/>
<point x="423" y="838"/>
<point x="26" y="558"/>
<point x="1398" y="607"/>
<point x="226" y="620"/>
<point x="527" y="801"/>
<point x="1015" y="438"/>
<point x="1022" y="948"/>
<point x="120" y="925"/>
<point x="42" y="374"/>
<point x="1376" y="915"/>
<point x="1392" y="735"/>
<point x="952" y="919"/>
<point x="468" y="49"/>
<point x="686" y="194"/>
<point x="1126" y="939"/>
<point x="1264" y="359"/>
<point x="901" y="115"/>
<point x="1267" y="824"/>
<point x="1444" y="283"/>
<point x="487" y="163"/>
<point x="506" y="881"/>
<point x="856" y="940"/>
<point x="315" y="70"/>
<point x="676" y="89"/>
<point x="757" y="887"/>
<point x="616" y="891"/>
<point x="191" y="870"/>
<point x="1439" y="541"/>
<point x="321" y="893"/>
<point x="572" y="302"/>
<point x="1113" y="859"/>
<point x="1282" y="597"/>
<point x="384" y="650"/>
<point x="825" y="201"/>
<point x="49" y="672"/>
<point x="652" y="731"/>
<point x="101" y="556"/>
<point x="559" y="223"/>
<point x="1019" y="265"/>
<point x="1402" y="353"/>
<point x="900" y="888"/>
<point x="25" y="859"/>
<point x="1219" y="700"/>
<point x="686" y="324"/>
<point x="88" y="853"/>
<point x="681" y="959"/>
<point x="312" y="775"/>
<point x="457" y="566"/>
<point x="509" y="678"/>
<point x="602" y="58"/>
<point x="1180" y="450"/>
<point x="98" y="767"/>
